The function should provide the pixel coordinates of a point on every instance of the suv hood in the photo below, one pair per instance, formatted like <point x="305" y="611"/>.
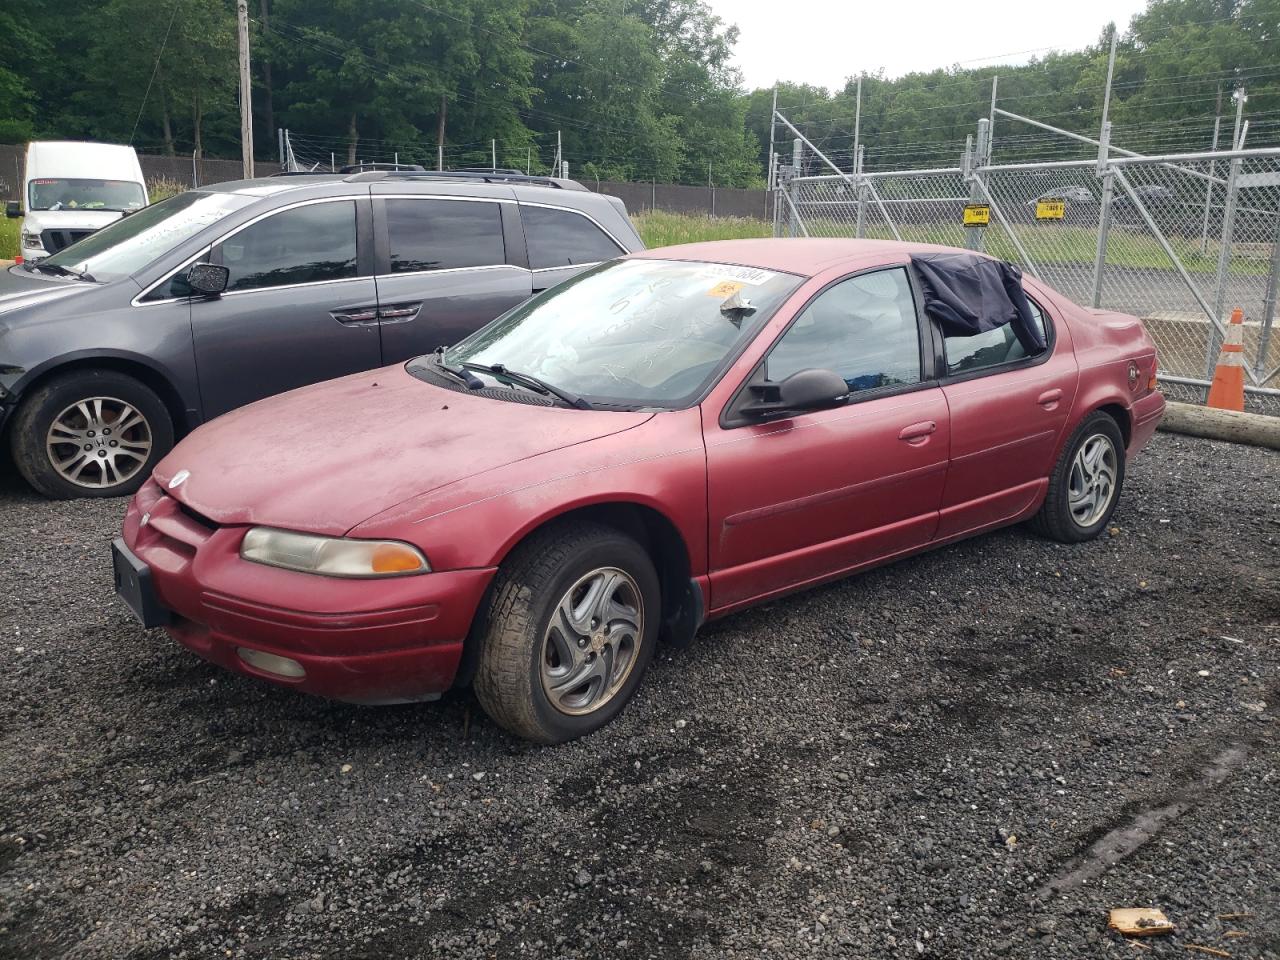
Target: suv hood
<point x="324" y="458"/>
<point x="21" y="288"/>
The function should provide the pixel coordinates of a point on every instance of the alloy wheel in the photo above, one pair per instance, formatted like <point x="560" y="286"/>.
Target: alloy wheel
<point x="1092" y="483"/>
<point x="99" y="442"/>
<point x="591" y="644"/>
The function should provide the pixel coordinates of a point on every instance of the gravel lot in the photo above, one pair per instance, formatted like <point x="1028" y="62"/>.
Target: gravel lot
<point x="972" y="753"/>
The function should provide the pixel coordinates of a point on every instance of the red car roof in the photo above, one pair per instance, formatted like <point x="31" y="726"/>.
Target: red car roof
<point x="805" y="256"/>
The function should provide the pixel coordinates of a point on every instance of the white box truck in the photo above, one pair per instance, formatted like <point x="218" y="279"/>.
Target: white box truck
<point x="72" y="188"/>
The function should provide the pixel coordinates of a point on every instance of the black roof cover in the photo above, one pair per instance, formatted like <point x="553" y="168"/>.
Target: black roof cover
<point x="968" y="294"/>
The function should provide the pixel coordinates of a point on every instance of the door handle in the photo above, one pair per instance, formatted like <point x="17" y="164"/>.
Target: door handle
<point x="400" y="312"/>
<point x="1049" y="399"/>
<point x="357" y="316"/>
<point x="918" y="432"/>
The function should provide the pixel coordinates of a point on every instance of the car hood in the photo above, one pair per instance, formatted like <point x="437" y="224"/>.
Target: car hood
<point x="21" y="288"/>
<point x="324" y="458"/>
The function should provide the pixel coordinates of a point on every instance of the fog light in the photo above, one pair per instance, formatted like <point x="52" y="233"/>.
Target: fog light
<point x="270" y="663"/>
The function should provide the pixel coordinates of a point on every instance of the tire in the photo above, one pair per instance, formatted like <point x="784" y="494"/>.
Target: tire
<point x="62" y="435"/>
<point x="525" y="675"/>
<point x="1066" y="516"/>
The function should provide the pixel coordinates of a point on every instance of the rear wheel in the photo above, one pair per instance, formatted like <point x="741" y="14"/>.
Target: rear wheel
<point x="90" y="433"/>
<point x="1085" y="484"/>
<point x="568" y="632"/>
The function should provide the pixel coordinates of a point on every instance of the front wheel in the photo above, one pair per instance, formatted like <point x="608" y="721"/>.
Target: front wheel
<point x="1085" y="485"/>
<point x="90" y="433"/>
<point x="568" y="632"/>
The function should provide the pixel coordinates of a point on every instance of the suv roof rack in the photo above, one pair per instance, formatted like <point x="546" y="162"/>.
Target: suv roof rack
<point x="484" y="175"/>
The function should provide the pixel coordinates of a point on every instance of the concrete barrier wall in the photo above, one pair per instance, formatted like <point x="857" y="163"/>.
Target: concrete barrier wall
<point x="639" y="197"/>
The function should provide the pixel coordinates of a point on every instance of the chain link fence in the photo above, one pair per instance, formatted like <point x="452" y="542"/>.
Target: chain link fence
<point x="1179" y="241"/>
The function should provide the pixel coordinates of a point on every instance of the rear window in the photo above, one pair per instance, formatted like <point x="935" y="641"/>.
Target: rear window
<point x="443" y="234"/>
<point x="562" y="238"/>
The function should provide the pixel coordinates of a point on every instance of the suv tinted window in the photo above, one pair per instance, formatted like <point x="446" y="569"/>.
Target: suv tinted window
<point x="559" y="238"/>
<point x="444" y="234"/>
<point x="990" y="348"/>
<point x="863" y="328"/>
<point x="303" y="245"/>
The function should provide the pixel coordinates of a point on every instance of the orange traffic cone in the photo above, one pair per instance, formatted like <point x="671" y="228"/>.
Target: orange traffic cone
<point x="1227" y="391"/>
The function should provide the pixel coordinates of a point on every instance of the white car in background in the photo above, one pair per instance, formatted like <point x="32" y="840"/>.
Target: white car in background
<point x="72" y="188"/>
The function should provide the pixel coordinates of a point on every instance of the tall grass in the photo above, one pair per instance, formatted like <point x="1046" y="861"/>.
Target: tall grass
<point x="8" y="238"/>
<point x="660" y="229"/>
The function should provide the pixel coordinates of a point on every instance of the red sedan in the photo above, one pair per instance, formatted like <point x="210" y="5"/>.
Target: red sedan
<point x="667" y="438"/>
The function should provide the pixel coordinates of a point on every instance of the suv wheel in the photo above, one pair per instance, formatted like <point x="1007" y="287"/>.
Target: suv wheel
<point x="90" y="433"/>
<point x="569" y="629"/>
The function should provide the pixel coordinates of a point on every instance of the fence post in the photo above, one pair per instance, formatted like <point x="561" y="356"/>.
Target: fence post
<point x="1268" y="308"/>
<point x="1213" y="342"/>
<point x="1104" y="212"/>
<point x="862" y="197"/>
<point x="797" y="158"/>
<point x="973" y="236"/>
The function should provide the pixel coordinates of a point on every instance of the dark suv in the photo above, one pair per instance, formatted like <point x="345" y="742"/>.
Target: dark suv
<point x="221" y="296"/>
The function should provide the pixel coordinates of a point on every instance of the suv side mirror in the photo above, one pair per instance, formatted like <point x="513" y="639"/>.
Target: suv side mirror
<point x="208" y="279"/>
<point x="813" y="389"/>
<point x="13" y="209"/>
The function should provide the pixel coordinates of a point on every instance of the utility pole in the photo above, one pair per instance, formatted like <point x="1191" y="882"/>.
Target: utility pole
<point x="857" y="125"/>
<point x="559" y="166"/>
<point x="440" y="120"/>
<point x="773" y="122"/>
<point x="991" y="118"/>
<point x="493" y="146"/>
<point x="246" y="102"/>
<point x="1111" y="69"/>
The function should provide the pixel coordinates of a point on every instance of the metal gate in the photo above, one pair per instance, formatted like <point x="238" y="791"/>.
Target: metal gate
<point x="1178" y="240"/>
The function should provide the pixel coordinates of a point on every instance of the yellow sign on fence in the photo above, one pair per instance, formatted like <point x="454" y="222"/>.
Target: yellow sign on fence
<point x="976" y="214"/>
<point x="1050" y="209"/>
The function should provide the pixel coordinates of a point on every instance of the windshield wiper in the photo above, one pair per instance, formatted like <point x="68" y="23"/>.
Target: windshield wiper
<point x="529" y="380"/>
<point x="57" y="270"/>
<point x="469" y="379"/>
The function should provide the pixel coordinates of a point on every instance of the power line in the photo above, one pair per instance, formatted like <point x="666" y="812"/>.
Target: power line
<point x="154" y="70"/>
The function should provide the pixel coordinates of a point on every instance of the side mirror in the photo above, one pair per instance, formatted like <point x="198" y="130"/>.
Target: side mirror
<point x="13" y="209"/>
<point x="208" y="279"/>
<point x="813" y="389"/>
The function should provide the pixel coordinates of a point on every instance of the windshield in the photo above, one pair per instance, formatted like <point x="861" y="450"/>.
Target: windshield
<point x="128" y="245"/>
<point x="648" y="333"/>
<point x="56" y="193"/>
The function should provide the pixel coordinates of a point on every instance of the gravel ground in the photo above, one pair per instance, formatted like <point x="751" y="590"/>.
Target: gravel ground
<point x="968" y="754"/>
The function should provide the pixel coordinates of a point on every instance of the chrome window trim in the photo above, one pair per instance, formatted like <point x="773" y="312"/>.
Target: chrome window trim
<point x="622" y="250"/>
<point x="348" y="198"/>
<point x="448" y="270"/>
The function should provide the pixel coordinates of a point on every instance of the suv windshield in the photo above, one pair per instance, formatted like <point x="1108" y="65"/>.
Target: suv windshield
<point x="57" y="193"/>
<point x="648" y="333"/>
<point x="128" y="245"/>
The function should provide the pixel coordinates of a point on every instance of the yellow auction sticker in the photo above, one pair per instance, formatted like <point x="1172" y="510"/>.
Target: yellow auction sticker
<point x="977" y="214"/>
<point x="725" y="288"/>
<point x="1050" y="209"/>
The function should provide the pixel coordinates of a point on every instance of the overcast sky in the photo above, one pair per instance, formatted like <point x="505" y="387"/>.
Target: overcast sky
<point x="824" y="42"/>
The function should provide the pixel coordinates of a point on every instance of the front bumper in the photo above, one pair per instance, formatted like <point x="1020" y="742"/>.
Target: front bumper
<point x="363" y="641"/>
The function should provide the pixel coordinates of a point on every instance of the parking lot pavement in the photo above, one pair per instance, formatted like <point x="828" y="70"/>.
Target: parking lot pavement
<point x="939" y="758"/>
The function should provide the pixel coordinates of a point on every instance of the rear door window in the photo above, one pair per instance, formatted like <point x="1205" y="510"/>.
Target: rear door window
<point x="562" y="238"/>
<point x="443" y="234"/>
<point x="991" y="348"/>
<point x="307" y="244"/>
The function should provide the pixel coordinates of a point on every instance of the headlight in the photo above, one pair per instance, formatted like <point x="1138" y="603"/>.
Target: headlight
<point x="32" y="240"/>
<point x="332" y="556"/>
